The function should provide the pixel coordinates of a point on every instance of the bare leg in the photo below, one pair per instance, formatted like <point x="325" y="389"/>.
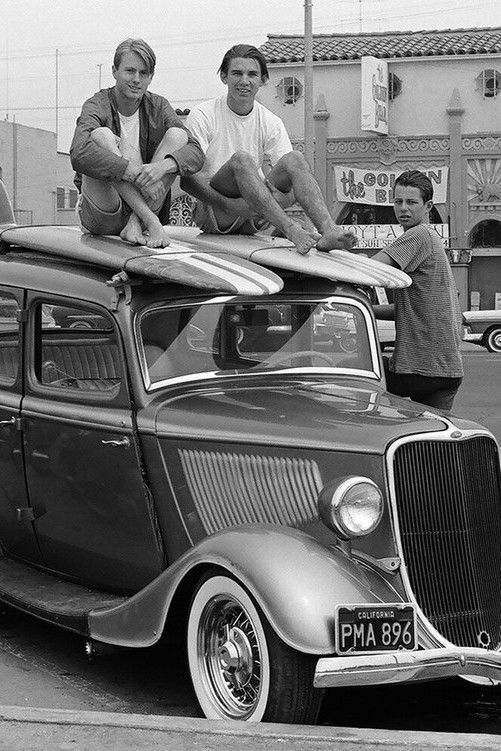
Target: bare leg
<point x="240" y="177"/>
<point x="143" y="227"/>
<point x="293" y="173"/>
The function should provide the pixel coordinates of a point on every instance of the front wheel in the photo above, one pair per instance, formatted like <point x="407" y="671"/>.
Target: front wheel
<point x="240" y="669"/>
<point x="493" y="339"/>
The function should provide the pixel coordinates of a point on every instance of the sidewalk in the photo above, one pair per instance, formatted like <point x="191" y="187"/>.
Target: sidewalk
<point x="28" y="729"/>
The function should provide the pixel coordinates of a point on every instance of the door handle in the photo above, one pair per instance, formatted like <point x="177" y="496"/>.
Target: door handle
<point x="121" y="442"/>
<point x="12" y="421"/>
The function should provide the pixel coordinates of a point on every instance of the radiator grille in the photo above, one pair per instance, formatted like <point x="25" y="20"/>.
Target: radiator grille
<point x="230" y="489"/>
<point x="449" y="504"/>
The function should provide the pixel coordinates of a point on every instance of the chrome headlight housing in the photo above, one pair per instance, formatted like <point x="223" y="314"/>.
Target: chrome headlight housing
<point x="351" y="506"/>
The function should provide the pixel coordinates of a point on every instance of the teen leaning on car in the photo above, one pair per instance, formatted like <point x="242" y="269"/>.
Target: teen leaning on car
<point x="426" y="363"/>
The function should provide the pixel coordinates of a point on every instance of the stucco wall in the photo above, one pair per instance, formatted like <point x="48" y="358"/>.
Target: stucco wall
<point x="420" y="108"/>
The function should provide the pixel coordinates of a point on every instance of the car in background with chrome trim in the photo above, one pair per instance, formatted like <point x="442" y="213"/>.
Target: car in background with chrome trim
<point x="189" y="466"/>
<point x="483" y="327"/>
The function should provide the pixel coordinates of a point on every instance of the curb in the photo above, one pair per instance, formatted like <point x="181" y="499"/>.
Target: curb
<point x="337" y="738"/>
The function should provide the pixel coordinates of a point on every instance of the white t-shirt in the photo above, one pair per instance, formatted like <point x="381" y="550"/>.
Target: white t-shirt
<point x="129" y="139"/>
<point x="221" y="132"/>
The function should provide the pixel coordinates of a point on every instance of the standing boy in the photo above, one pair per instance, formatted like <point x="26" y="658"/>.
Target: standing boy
<point x="128" y="147"/>
<point x="426" y="363"/>
<point x="236" y="133"/>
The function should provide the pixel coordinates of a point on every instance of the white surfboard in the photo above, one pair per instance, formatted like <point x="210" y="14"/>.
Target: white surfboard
<point x="279" y="253"/>
<point x="217" y="270"/>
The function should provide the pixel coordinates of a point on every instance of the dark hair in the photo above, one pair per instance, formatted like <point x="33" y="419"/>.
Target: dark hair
<point x="244" y="50"/>
<point x="141" y="48"/>
<point x="416" y="179"/>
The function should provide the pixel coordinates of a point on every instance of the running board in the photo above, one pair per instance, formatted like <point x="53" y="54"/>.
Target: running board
<point x="49" y="598"/>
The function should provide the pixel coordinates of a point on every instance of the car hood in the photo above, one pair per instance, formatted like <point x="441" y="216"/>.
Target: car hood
<point x="348" y="415"/>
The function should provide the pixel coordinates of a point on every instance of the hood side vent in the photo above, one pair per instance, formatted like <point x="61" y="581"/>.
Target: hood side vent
<point x="230" y="489"/>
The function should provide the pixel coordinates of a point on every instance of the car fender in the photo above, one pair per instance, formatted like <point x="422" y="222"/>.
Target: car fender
<point x="296" y="581"/>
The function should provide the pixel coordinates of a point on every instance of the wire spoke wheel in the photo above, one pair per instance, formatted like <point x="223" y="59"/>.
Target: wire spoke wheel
<point x="239" y="668"/>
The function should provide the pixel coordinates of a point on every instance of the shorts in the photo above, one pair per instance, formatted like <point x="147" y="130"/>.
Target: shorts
<point x="205" y="218"/>
<point x="434" y="391"/>
<point x="99" y="222"/>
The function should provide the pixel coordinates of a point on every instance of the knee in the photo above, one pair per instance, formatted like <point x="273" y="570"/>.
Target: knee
<point x="293" y="161"/>
<point x="104" y="137"/>
<point x="241" y="161"/>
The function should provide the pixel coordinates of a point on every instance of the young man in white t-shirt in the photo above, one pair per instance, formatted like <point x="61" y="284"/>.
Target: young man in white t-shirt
<point x="128" y="147"/>
<point x="236" y="134"/>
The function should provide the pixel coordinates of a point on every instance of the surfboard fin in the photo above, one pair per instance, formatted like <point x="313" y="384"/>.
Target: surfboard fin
<point x="6" y="212"/>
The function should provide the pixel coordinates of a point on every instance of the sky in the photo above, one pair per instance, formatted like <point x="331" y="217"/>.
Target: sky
<point x="54" y="54"/>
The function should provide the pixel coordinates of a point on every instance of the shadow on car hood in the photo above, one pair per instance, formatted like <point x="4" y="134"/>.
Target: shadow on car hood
<point x="350" y="415"/>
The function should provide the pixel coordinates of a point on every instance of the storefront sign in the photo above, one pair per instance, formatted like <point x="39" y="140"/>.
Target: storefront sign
<point x="375" y="187"/>
<point x="379" y="235"/>
<point x="374" y="94"/>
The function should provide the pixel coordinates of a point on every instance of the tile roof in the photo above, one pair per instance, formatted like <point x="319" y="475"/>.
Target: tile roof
<point x="386" y="44"/>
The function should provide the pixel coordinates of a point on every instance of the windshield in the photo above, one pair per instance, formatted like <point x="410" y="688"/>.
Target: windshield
<point x="217" y="337"/>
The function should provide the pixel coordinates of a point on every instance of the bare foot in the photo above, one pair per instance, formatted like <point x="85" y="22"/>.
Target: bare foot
<point x="133" y="232"/>
<point x="337" y="238"/>
<point x="156" y="236"/>
<point x="302" y="239"/>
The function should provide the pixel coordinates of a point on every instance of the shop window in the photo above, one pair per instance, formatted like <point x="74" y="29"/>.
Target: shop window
<point x="394" y="86"/>
<point x="289" y="90"/>
<point x="486" y="234"/>
<point x="489" y="83"/>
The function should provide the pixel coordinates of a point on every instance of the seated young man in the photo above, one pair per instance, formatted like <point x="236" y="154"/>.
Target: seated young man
<point x="236" y="133"/>
<point x="127" y="148"/>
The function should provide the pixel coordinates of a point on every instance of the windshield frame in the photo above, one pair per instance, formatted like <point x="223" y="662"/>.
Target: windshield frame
<point x="218" y="375"/>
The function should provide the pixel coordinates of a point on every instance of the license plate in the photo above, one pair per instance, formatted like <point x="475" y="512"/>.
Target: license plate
<point x="375" y="628"/>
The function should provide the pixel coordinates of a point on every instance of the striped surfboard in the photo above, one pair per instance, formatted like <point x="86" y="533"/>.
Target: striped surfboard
<point x="279" y="253"/>
<point x="218" y="270"/>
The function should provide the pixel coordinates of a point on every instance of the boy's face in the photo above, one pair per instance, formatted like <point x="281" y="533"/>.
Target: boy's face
<point x="132" y="77"/>
<point x="409" y="207"/>
<point x="244" y="81"/>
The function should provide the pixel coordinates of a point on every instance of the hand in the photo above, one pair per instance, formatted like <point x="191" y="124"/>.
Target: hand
<point x="130" y="173"/>
<point x="154" y="192"/>
<point x="151" y="173"/>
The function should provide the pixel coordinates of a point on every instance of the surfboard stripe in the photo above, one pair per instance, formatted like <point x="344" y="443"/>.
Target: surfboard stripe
<point x="241" y="283"/>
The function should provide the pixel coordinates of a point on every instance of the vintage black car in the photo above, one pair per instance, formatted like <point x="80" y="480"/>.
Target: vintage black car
<point x="181" y="464"/>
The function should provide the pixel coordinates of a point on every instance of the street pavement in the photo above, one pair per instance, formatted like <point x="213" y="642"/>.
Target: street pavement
<point x="65" y="730"/>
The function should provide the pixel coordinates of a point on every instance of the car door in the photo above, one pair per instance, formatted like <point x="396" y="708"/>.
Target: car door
<point x="17" y="535"/>
<point x="94" y="516"/>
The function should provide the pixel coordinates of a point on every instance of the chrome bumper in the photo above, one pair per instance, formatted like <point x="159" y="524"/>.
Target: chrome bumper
<point x="472" y="337"/>
<point x="399" y="667"/>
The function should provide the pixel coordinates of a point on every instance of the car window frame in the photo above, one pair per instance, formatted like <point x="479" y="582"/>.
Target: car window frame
<point x="18" y="293"/>
<point x="375" y="374"/>
<point x="118" y="398"/>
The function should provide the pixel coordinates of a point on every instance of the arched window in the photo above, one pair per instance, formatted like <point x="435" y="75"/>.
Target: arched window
<point x="486" y="234"/>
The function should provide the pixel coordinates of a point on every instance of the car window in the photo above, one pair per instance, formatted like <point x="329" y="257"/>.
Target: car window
<point x="77" y="349"/>
<point x="245" y="337"/>
<point x="10" y="352"/>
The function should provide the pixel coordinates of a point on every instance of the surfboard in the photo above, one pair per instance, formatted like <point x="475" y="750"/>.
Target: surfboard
<point x="279" y="253"/>
<point x="217" y="270"/>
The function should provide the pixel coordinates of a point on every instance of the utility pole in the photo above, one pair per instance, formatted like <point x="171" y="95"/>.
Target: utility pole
<point x="309" y="149"/>
<point x="57" y="94"/>
<point x="99" y="66"/>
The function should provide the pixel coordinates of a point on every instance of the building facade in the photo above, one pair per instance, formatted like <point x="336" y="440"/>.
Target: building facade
<point x="443" y="117"/>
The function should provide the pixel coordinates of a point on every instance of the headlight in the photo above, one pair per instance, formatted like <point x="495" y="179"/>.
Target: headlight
<point x="351" y="507"/>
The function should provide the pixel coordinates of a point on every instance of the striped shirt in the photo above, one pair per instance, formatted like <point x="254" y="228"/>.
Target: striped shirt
<point x="427" y="314"/>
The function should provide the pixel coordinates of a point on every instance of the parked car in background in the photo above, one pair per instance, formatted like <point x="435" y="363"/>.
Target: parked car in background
<point x="188" y="466"/>
<point x="483" y="327"/>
